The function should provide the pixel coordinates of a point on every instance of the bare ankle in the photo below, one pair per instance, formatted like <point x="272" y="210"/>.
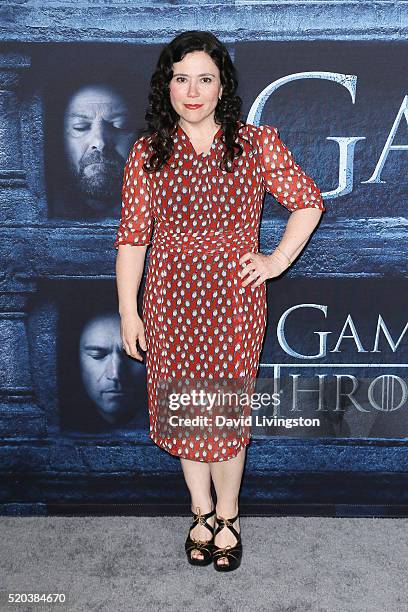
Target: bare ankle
<point x="205" y="505"/>
<point x="227" y="509"/>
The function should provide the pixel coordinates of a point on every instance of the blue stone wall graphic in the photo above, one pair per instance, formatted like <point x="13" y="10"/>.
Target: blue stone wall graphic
<point x="73" y="413"/>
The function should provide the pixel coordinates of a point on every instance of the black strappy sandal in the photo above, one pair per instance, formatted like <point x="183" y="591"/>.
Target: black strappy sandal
<point x="233" y="553"/>
<point x="205" y="547"/>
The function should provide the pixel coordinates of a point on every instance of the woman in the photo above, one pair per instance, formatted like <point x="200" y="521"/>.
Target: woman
<point x="201" y="177"/>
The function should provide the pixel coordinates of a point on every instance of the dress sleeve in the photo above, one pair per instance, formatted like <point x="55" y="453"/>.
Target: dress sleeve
<point x="136" y="223"/>
<point x="283" y="177"/>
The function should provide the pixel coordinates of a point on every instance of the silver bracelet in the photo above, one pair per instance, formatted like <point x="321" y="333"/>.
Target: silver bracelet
<point x="284" y="254"/>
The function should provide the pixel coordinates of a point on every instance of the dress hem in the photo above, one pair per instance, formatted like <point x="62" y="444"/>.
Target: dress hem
<point x="175" y="452"/>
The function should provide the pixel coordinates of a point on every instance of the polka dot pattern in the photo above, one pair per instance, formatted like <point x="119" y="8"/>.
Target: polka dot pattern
<point x="283" y="177"/>
<point x="136" y="217"/>
<point x="201" y="325"/>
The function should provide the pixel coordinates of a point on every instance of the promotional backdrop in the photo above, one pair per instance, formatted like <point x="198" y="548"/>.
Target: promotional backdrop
<point x="337" y="320"/>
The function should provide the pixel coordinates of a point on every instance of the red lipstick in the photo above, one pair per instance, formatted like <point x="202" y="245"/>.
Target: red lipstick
<point x="193" y="106"/>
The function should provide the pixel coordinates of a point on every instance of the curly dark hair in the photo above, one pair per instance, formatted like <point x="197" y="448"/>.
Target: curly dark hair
<point x="161" y="117"/>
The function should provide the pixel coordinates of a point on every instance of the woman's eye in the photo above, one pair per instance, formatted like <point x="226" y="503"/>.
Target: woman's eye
<point x="182" y="79"/>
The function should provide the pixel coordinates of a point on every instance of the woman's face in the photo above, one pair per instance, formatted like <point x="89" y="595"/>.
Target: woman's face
<point x="196" y="80"/>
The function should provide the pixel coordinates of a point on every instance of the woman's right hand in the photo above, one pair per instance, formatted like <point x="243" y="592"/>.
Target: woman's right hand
<point x="131" y="330"/>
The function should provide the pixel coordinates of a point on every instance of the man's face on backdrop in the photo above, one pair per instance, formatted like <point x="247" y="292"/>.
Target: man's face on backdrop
<point x="97" y="140"/>
<point x="111" y="379"/>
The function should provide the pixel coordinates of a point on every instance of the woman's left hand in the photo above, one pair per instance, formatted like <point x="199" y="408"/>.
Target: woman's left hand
<point x="260" y="267"/>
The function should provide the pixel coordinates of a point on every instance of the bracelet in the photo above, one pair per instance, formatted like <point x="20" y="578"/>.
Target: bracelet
<point x="284" y="254"/>
<point x="279" y="259"/>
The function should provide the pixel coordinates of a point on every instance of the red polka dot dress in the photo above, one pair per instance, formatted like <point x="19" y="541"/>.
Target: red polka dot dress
<point x="204" y="331"/>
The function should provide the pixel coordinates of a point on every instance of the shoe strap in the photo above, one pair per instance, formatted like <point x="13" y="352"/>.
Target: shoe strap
<point x="202" y="519"/>
<point x="227" y="523"/>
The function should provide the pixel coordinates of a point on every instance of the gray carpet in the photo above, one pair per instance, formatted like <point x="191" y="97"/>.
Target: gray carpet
<point x="126" y="563"/>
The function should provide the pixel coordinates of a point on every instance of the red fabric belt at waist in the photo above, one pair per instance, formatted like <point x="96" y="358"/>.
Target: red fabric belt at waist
<point x="205" y="240"/>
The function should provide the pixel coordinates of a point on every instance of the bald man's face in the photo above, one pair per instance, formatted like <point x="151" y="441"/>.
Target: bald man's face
<point x="111" y="379"/>
<point x="97" y="140"/>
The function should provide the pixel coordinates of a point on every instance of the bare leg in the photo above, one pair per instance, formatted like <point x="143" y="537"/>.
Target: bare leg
<point x="198" y="479"/>
<point x="227" y="476"/>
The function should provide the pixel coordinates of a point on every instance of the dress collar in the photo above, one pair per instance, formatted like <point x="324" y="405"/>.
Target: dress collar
<point x="184" y="136"/>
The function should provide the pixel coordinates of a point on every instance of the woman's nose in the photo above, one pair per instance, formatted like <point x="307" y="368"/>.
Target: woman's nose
<point x="192" y="90"/>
